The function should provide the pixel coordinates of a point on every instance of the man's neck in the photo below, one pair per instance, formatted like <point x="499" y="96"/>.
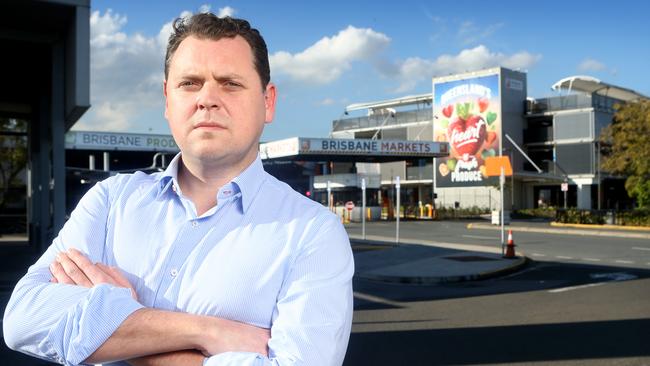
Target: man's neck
<point x="200" y="181"/>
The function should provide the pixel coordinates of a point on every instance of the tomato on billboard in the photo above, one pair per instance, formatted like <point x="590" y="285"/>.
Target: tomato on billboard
<point x="467" y="115"/>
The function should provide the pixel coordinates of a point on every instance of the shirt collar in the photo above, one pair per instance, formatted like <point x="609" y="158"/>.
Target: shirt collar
<point x="248" y="182"/>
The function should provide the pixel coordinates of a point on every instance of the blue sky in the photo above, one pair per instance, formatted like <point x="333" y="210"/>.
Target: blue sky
<point x="328" y="54"/>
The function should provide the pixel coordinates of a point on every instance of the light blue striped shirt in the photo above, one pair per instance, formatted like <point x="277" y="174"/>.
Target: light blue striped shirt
<point x="264" y="255"/>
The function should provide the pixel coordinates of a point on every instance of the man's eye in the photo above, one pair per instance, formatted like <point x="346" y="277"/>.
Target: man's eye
<point x="188" y="84"/>
<point x="232" y="85"/>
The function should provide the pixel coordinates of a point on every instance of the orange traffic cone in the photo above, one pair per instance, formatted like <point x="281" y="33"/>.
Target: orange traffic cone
<point x="510" y="248"/>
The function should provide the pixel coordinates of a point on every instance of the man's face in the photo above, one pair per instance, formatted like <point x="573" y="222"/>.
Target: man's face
<point x="215" y="103"/>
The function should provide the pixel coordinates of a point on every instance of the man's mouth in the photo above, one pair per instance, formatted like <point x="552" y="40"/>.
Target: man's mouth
<point x="209" y="125"/>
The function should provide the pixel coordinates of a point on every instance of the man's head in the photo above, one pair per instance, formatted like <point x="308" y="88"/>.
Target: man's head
<point x="217" y="90"/>
<point x="209" y="26"/>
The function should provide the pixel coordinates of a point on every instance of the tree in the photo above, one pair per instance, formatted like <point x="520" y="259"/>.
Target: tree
<point x="13" y="156"/>
<point x="626" y="149"/>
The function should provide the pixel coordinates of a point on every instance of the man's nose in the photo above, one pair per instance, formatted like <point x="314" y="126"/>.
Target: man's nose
<point x="208" y="97"/>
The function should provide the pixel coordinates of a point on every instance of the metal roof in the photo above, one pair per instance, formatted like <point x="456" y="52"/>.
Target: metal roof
<point x="591" y="85"/>
<point x="390" y="103"/>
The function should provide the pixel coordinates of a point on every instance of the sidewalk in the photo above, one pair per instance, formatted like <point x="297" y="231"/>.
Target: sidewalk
<point x="423" y="262"/>
<point x="617" y="231"/>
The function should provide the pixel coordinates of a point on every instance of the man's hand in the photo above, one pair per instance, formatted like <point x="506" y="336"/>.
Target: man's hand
<point x="73" y="268"/>
<point x="224" y="335"/>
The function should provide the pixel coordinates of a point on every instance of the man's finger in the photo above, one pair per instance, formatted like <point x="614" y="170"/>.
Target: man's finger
<point x="115" y="274"/>
<point x="73" y="271"/>
<point x="118" y="277"/>
<point x="59" y="275"/>
<point x="90" y="270"/>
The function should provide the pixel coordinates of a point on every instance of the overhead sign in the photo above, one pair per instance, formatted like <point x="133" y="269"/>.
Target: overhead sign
<point x="88" y="140"/>
<point x="319" y="146"/>
<point x="494" y="164"/>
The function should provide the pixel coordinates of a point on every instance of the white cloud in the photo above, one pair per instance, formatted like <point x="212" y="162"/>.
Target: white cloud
<point x="205" y="8"/>
<point x="126" y="74"/>
<point x="414" y="69"/>
<point x="470" y="33"/>
<point x="327" y="101"/>
<point x="591" y="65"/>
<point x="226" y="11"/>
<point x="327" y="59"/>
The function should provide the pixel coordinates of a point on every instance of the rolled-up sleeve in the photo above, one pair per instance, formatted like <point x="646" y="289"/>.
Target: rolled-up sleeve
<point x="313" y="317"/>
<point x="66" y="323"/>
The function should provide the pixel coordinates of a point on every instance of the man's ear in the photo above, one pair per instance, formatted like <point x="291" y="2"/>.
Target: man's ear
<point x="165" y="94"/>
<point x="269" y="102"/>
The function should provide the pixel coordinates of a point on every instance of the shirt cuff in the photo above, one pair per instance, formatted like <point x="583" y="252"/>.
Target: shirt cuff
<point x="237" y="358"/>
<point x="86" y="326"/>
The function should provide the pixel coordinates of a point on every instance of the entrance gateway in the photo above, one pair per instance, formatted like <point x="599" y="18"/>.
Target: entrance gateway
<point x="333" y="170"/>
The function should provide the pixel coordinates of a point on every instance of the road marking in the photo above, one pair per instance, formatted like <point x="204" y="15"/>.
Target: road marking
<point x="376" y="299"/>
<point x="480" y="237"/>
<point x="565" y="289"/>
<point x="591" y="259"/>
<point x="563" y="257"/>
<point x="538" y="255"/>
<point x="617" y="276"/>
<point x="624" y="262"/>
<point x="610" y="277"/>
<point x="641" y="248"/>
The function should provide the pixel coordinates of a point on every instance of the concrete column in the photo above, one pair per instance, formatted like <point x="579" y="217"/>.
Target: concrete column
<point x="584" y="196"/>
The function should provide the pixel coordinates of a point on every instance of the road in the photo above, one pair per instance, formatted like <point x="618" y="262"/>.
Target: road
<point x="582" y="301"/>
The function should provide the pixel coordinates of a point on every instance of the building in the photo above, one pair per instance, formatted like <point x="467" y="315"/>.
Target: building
<point x="46" y="61"/>
<point x="479" y="114"/>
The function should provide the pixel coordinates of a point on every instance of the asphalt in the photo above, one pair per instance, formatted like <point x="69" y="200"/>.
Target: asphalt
<point x="378" y="258"/>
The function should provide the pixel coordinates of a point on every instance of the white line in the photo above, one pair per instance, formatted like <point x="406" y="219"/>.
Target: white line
<point x="565" y="289"/>
<point x="624" y="262"/>
<point x="376" y="299"/>
<point x="562" y="257"/>
<point x="591" y="259"/>
<point x="538" y="255"/>
<point x="480" y="237"/>
<point x="641" y="248"/>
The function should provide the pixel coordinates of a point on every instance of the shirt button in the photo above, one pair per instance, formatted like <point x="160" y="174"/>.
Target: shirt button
<point x="173" y="272"/>
<point x="195" y="223"/>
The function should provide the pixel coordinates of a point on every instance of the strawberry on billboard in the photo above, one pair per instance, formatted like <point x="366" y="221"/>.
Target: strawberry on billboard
<point x="467" y="115"/>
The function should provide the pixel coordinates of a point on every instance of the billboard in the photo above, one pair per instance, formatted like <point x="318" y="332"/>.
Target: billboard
<point x="467" y="115"/>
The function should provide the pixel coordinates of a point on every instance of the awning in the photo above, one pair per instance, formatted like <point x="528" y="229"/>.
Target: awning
<point x="591" y="85"/>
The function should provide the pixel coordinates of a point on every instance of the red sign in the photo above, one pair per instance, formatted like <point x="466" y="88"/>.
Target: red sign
<point x="349" y="205"/>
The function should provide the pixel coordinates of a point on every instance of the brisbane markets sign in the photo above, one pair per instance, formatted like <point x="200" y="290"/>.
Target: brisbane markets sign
<point x="317" y="146"/>
<point x="83" y="140"/>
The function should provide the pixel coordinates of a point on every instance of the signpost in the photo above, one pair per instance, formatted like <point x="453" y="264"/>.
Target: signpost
<point x="499" y="166"/>
<point x="363" y="208"/>
<point x="329" y="195"/>
<point x="397" y="185"/>
<point x="565" y="189"/>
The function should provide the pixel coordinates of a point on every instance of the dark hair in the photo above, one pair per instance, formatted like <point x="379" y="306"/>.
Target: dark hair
<point x="210" y="26"/>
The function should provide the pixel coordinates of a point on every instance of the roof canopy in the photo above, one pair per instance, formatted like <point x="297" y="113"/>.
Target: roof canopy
<point x="391" y="103"/>
<point x="591" y="85"/>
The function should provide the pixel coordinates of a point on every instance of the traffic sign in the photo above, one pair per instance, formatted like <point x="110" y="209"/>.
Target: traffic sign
<point x="349" y="205"/>
<point x="565" y="187"/>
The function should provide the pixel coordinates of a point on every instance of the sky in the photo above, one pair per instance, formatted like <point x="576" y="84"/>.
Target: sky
<point x="326" y="55"/>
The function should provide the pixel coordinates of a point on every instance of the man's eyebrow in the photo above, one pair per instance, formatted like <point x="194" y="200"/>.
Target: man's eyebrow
<point x="228" y="76"/>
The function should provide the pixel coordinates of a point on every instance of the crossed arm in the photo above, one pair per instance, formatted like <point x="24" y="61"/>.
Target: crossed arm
<point x="156" y="337"/>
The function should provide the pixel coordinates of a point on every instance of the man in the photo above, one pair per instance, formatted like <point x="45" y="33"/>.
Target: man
<point x="211" y="262"/>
